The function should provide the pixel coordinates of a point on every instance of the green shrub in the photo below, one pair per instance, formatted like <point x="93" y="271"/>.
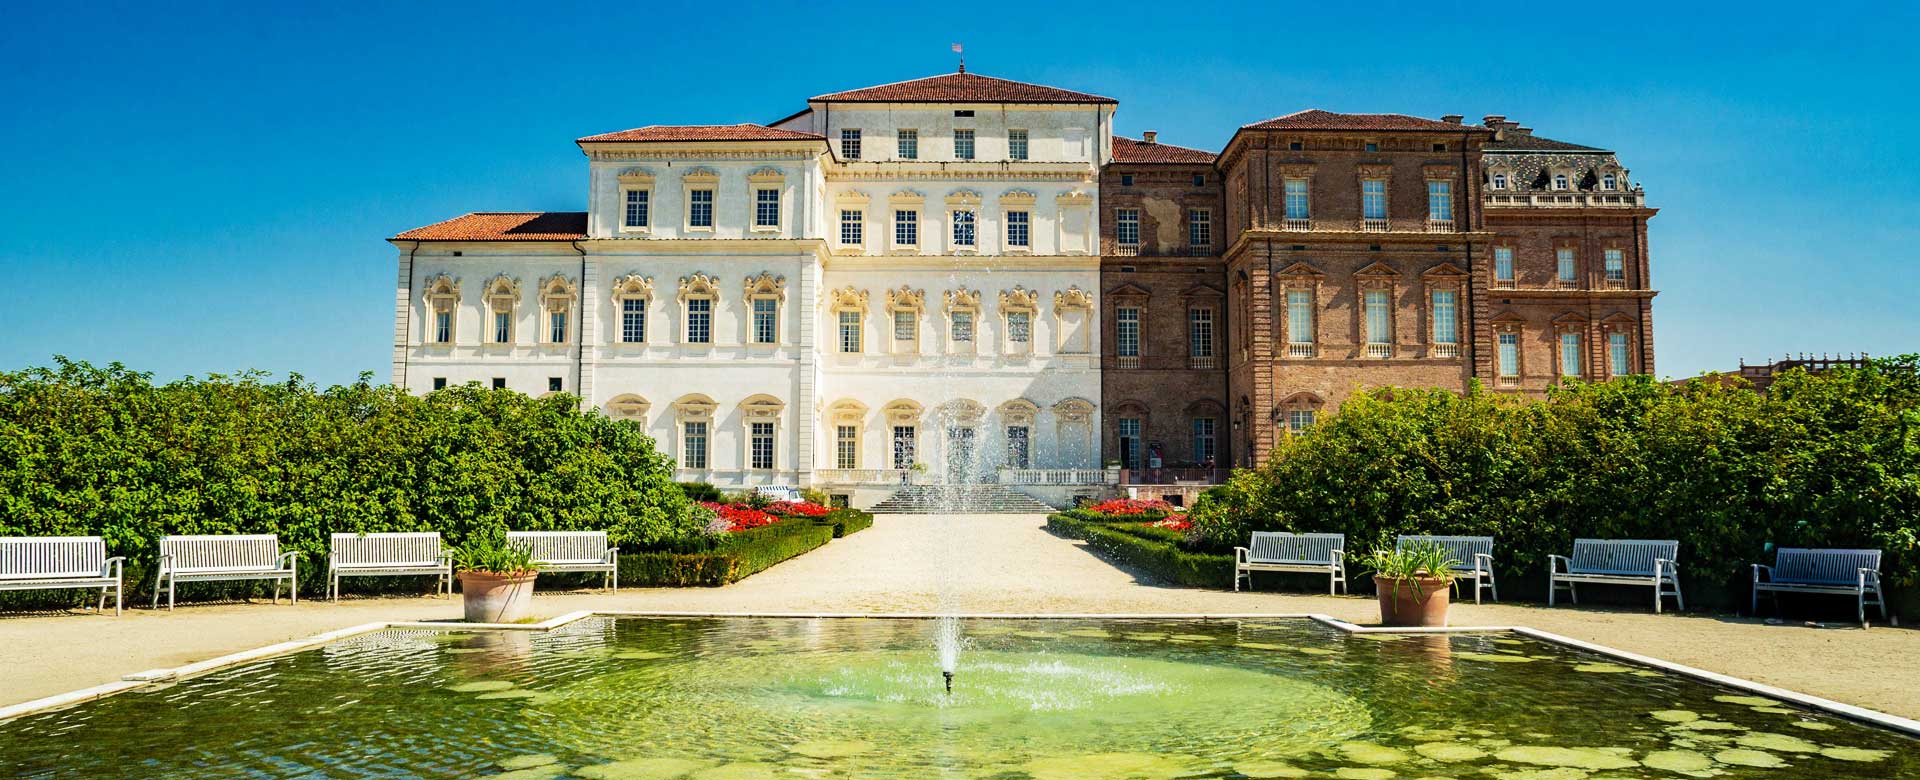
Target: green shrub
<point x="846" y="521"/>
<point x="726" y="558"/>
<point x="700" y="491"/>
<point x="1162" y="558"/>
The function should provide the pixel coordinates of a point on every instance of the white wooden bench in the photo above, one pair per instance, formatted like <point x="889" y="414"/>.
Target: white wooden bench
<point x="1472" y="556"/>
<point x="571" y="551"/>
<point x="1618" y="562"/>
<point x="223" y="558"/>
<point x="1279" y="551"/>
<point x="1843" y="572"/>
<point x="60" y="562"/>
<point x="404" y="554"/>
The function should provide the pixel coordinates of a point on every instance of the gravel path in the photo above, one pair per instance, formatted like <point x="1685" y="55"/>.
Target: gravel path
<point x="968" y="563"/>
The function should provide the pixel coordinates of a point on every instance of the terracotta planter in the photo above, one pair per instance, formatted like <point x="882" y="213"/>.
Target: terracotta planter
<point x="1415" y="602"/>
<point x="496" y="598"/>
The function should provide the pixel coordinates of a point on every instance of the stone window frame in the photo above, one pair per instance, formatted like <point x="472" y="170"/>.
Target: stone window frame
<point x="1017" y="413"/>
<point x="629" y="406"/>
<point x="558" y="295"/>
<point x="909" y="301"/>
<point x="1621" y="325"/>
<point x="1139" y="412"/>
<point x="1018" y="300"/>
<point x="962" y="300"/>
<point x="1026" y="144"/>
<point x="849" y="413"/>
<point x="906" y="139"/>
<point x="1304" y="175"/>
<point x="1212" y="411"/>
<point x="628" y="288"/>
<point x="848" y="299"/>
<point x="1577" y="324"/>
<point x="763" y="179"/>
<point x="1384" y="175"/>
<point x="1613" y="245"/>
<point x="1199" y="219"/>
<point x="1569" y="244"/>
<point x="699" y="179"/>
<point x="1445" y="277"/>
<point x="1442" y="174"/>
<point x="906" y="200"/>
<point x="1069" y="300"/>
<point x="1513" y="261"/>
<point x="502" y="297"/>
<point x="635" y="180"/>
<point x="1378" y="277"/>
<point x="1010" y="202"/>
<point x="1139" y="299"/>
<point x="849" y="134"/>
<point x="1303" y="401"/>
<point x="903" y="413"/>
<point x="967" y="201"/>
<point x="1202" y="297"/>
<point x="765" y="287"/>
<point x="693" y="408"/>
<point x="699" y="286"/>
<point x="1071" y="411"/>
<point x="760" y="408"/>
<point x="1299" y="276"/>
<point x="1510" y="323"/>
<point x="442" y="296"/>
<point x="855" y="201"/>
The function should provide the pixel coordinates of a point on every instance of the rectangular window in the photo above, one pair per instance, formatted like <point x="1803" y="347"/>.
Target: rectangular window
<point x="760" y="445"/>
<point x="1016" y="144"/>
<point x="850" y="332"/>
<point x="499" y="383"/>
<point x="502" y="327"/>
<point x="1509" y="355"/>
<point x="909" y="144"/>
<point x="1019" y="447"/>
<point x="852" y="229"/>
<point x="962" y="326"/>
<point x="555" y="384"/>
<point x="1019" y="327"/>
<point x="700" y="320"/>
<point x="1199" y="228"/>
<point x="766" y="208"/>
<point x="1203" y="443"/>
<point x="846" y="447"/>
<point x="963" y="144"/>
<point x="439" y="383"/>
<point x="963" y="228"/>
<point x="1018" y="232"/>
<point x="638" y="208"/>
<point x="1617" y="358"/>
<point x="1300" y="316"/>
<point x="633" y="320"/>
<point x="1446" y="317"/>
<point x="1373" y="199"/>
<point x="1126" y="226"/>
<point x="766" y="321"/>
<point x="1570" y="354"/>
<point x="1440" y="201"/>
<point x="1297" y="199"/>
<point x="1503" y="266"/>
<point x="1379" y="317"/>
<point x="906" y="228"/>
<point x="1499" y="181"/>
<point x="693" y="445"/>
<point x="906" y="326"/>
<point x="1563" y="262"/>
<point x="903" y="446"/>
<point x="1616" y="266"/>
<point x="700" y="208"/>
<point x="557" y="327"/>
<point x="1200" y="333"/>
<point x="850" y="144"/>
<point x="443" y="327"/>
<point x="1126" y="336"/>
<point x="1129" y="434"/>
<point x="1299" y="420"/>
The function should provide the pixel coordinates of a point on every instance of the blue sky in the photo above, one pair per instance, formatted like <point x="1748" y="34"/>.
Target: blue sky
<point x="206" y="188"/>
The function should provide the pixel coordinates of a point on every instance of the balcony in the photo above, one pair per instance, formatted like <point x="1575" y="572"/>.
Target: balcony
<point x="869" y="477"/>
<point x="1439" y="226"/>
<point x="1301" y="224"/>
<point x="1374" y="225"/>
<point x="1199" y="250"/>
<point x="1503" y="284"/>
<point x="1507" y="381"/>
<point x="1563" y="199"/>
<point x="1377" y="351"/>
<point x="1126" y="361"/>
<point x="1126" y="250"/>
<point x="1445" y="350"/>
<point x="1059" y="476"/>
<point x="1149" y="250"/>
<point x="1205" y="362"/>
<point x="1303" y="349"/>
<point x="1175" y="475"/>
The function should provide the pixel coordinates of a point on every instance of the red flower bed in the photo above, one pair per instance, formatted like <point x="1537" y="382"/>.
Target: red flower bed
<point x="797" y="508"/>
<point x="1174" y="523"/>
<point x="740" y="516"/>
<point x="1131" y="506"/>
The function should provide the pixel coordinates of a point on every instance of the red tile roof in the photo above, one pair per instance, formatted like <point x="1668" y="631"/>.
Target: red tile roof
<point x="504" y="226"/>
<point x="1316" y="119"/>
<point x="1131" y="150"/>
<point x="961" y="88"/>
<point x="745" y="131"/>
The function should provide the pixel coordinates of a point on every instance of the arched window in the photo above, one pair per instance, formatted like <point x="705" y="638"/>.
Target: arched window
<point x="963" y="321"/>
<point x="1017" y="307"/>
<point x="1073" y="318"/>
<point x="760" y="414"/>
<point x="699" y="298"/>
<point x="904" y="307"/>
<point x="502" y="298"/>
<point x="694" y="414"/>
<point x="557" y="294"/>
<point x="849" y="307"/>
<point x="632" y="295"/>
<point x="443" y="309"/>
<point x="764" y="294"/>
<point x="628" y="406"/>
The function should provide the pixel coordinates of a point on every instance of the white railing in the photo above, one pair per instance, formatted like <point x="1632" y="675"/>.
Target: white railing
<point x="868" y="477"/>
<point x="1126" y="361"/>
<point x="1199" y="250"/>
<point x="1300" y="349"/>
<point x="1201" y="362"/>
<point x="1373" y="226"/>
<point x="1302" y="225"/>
<point x="1439" y="226"/>
<point x="1503" y="284"/>
<point x="1378" y="351"/>
<point x="1126" y="250"/>
<point x="1059" y="476"/>
<point x="1446" y="350"/>
<point x="1508" y="381"/>
<point x="1563" y="199"/>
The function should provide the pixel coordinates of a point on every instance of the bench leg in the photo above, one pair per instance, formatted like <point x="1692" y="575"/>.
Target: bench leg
<point x="120" y="594"/>
<point x="1237" y="573"/>
<point x="1493" y="585"/>
<point x="170" y="584"/>
<point x="156" y="590"/>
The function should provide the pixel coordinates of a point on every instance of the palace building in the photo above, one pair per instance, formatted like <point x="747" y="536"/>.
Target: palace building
<point x="964" y="279"/>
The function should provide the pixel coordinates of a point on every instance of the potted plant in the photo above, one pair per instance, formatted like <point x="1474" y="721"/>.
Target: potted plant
<point x="1415" y="584"/>
<point x="496" y="580"/>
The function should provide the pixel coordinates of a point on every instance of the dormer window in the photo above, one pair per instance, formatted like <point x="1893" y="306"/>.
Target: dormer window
<point x="1560" y="181"/>
<point x="1499" y="181"/>
<point x="1609" y="182"/>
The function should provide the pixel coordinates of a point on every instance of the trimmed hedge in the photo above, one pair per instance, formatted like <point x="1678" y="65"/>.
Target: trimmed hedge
<point x="846" y="521"/>
<point x="733" y="556"/>
<point x="1149" y="549"/>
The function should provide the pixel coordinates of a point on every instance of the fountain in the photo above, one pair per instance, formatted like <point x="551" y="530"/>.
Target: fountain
<point x="947" y="645"/>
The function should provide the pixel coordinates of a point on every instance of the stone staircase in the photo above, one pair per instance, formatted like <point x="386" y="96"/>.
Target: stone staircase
<point x="960" y="499"/>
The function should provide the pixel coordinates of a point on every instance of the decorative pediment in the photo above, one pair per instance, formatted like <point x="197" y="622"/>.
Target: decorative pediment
<point x="1618" y="320"/>
<point x="1202" y="290"/>
<point x="1204" y="407"/>
<point x="1072" y="298"/>
<point x="848" y="297"/>
<point x="1130" y="291"/>
<point x="1073" y="198"/>
<point x="1301" y="271"/>
<point x="1019" y="298"/>
<point x="1572" y="319"/>
<point x="1438" y="171"/>
<point x="443" y="286"/>
<point x="695" y="406"/>
<point x="700" y="174"/>
<point x="767" y="173"/>
<point x="1074" y="410"/>
<point x="558" y="286"/>
<point x="961" y="410"/>
<point x="906" y="197"/>
<point x="635" y="176"/>
<point x="1443" y="271"/>
<point x="1295" y="170"/>
<point x="1017" y="198"/>
<point x="1497" y="162"/>
<point x="698" y="283"/>
<point x="767" y="284"/>
<point x="902" y="411"/>
<point x="628" y="406"/>
<point x="1019" y="411"/>
<point x="962" y="298"/>
<point x="762" y="407"/>
<point x="1373" y="171"/>
<point x="1507" y="320"/>
<point x="906" y="299"/>
<point x="633" y="286"/>
<point x="1378" y="270"/>
<point x="1302" y="400"/>
<point x="1128" y="408"/>
<point x="847" y="410"/>
<point x="852" y="198"/>
<point x="963" y="198"/>
<point x="503" y="286"/>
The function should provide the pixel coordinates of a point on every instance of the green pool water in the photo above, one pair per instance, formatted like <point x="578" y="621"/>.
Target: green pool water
<point x="795" y="699"/>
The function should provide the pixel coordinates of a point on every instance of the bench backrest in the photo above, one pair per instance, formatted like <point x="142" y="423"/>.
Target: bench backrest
<point x="390" y="549"/>
<point x="1631" y="557"/>
<point x="1460" y="548"/>
<point x="50" y="557"/>
<point x="1280" y="547"/>
<point x="1823" y="567"/>
<point x="222" y="552"/>
<point x="562" y="546"/>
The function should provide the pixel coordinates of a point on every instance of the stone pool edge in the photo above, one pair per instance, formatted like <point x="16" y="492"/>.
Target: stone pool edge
<point x="142" y="679"/>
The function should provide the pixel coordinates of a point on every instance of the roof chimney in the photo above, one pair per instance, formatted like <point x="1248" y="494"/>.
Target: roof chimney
<point x="1494" y="121"/>
<point x="1149" y="136"/>
<point x="1453" y="119"/>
